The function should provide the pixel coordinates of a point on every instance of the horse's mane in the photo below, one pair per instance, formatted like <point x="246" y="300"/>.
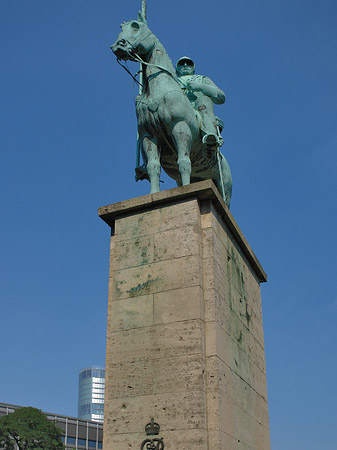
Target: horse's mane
<point x="159" y="46"/>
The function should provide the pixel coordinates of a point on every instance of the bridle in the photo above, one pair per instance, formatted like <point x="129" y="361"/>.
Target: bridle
<point x="131" y="51"/>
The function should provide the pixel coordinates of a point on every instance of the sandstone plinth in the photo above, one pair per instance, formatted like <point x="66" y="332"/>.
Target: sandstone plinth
<point x="185" y="337"/>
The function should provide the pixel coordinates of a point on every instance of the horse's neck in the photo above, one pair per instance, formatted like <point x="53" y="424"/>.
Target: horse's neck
<point x="159" y="57"/>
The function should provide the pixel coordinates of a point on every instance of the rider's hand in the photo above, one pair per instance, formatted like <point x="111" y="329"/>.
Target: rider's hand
<point x="195" y="85"/>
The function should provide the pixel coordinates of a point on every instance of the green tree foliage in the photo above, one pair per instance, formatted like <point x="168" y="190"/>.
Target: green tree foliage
<point x="29" y="429"/>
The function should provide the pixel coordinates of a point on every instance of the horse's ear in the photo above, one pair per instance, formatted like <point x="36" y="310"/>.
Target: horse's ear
<point x="141" y="18"/>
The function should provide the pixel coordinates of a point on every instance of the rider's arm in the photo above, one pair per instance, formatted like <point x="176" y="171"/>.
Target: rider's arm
<point x="211" y="90"/>
<point x="207" y="87"/>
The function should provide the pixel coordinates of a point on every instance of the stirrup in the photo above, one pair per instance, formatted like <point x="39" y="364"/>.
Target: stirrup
<point x="211" y="143"/>
<point x="212" y="140"/>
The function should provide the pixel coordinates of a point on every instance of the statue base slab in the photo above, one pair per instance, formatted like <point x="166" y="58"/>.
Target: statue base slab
<point x="185" y="342"/>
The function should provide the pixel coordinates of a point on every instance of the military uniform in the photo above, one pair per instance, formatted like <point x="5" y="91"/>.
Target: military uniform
<point x="203" y="102"/>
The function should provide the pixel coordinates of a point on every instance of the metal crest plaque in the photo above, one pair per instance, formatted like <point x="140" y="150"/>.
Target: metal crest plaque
<point x="152" y="429"/>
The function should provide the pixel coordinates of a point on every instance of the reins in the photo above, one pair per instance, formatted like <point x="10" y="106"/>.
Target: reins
<point x="128" y="71"/>
<point x="157" y="66"/>
<point x="137" y="58"/>
<point x="132" y="53"/>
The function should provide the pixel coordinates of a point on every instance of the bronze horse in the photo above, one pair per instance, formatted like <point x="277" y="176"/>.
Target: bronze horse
<point x="169" y="128"/>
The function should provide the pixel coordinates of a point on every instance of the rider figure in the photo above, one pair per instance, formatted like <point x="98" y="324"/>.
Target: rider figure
<point x="202" y="93"/>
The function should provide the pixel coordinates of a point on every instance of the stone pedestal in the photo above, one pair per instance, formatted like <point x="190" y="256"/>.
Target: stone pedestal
<point x="185" y="336"/>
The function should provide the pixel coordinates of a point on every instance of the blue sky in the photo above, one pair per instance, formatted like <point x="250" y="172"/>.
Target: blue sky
<point x="67" y="146"/>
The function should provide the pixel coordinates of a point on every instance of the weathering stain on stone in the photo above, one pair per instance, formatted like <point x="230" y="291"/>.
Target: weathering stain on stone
<point x="143" y="287"/>
<point x="144" y="255"/>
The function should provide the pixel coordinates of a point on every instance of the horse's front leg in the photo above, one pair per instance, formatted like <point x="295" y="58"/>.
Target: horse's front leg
<point x="150" y="148"/>
<point x="182" y="137"/>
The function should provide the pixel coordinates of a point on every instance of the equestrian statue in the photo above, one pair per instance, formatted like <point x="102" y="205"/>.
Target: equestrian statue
<point x="177" y="129"/>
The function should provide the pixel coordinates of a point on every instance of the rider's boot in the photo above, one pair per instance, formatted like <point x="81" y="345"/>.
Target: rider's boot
<point x="211" y="143"/>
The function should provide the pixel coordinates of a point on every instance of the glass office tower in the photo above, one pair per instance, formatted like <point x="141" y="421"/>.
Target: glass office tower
<point x="91" y="394"/>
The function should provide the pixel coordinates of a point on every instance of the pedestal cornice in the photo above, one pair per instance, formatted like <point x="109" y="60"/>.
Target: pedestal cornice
<point x="203" y="190"/>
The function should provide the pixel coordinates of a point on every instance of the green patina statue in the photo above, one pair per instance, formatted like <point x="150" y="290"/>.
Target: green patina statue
<point x="176" y="124"/>
<point x="202" y="93"/>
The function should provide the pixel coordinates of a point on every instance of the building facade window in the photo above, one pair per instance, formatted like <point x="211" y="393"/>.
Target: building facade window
<point x="91" y="388"/>
<point x="76" y="433"/>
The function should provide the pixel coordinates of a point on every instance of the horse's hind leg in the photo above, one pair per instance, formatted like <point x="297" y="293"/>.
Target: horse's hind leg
<point x="150" y="148"/>
<point x="182" y="137"/>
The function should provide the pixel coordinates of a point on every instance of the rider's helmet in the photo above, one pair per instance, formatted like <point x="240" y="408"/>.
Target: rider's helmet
<point x="185" y="60"/>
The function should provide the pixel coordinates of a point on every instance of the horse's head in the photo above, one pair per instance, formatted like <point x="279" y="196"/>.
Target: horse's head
<point x="135" y="38"/>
